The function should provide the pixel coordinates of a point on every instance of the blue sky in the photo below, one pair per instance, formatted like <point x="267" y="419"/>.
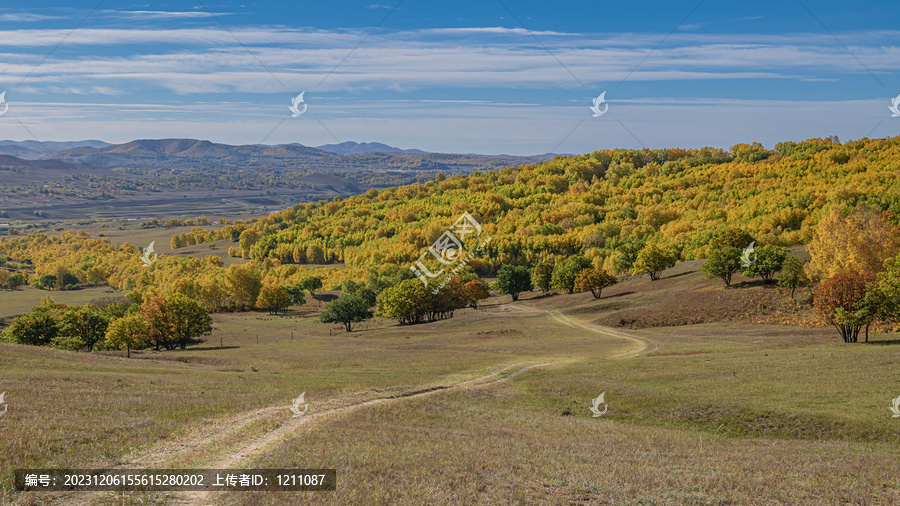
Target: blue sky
<point x="508" y="76"/>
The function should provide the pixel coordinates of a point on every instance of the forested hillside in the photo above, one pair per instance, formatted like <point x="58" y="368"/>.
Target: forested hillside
<point x="606" y="205"/>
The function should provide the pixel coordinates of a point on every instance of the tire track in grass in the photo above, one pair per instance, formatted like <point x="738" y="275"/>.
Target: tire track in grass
<point x="210" y="436"/>
<point x="233" y="459"/>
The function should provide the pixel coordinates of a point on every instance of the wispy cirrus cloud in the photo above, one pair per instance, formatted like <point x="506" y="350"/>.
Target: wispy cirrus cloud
<point x="158" y="15"/>
<point x="24" y="17"/>
<point x="423" y="58"/>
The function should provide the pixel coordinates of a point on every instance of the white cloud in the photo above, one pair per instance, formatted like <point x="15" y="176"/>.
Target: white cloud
<point x="157" y="15"/>
<point x="25" y="17"/>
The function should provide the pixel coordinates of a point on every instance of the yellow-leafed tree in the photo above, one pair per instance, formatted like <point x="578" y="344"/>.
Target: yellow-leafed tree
<point x="859" y="240"/>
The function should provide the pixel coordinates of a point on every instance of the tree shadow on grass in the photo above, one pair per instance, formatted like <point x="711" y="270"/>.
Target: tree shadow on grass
<point x="616" y="295"/>
<point x="883" y="342"/>
<point x="685" y="273"/>
<point x="752" y="283"/>
<point x="542" y="295"/>
<point x="209" y="348"/>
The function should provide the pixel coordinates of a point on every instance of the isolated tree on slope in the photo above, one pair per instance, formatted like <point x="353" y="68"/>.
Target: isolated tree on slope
<point x="348" y="309"/>
<point x="311" y="284"/>
<point x="594" y="280"/>
<point x="792" y="275"/>
<point x="513" y="280"/>
<point x="653" y="260"/>
<point x="841" y="300"/>
<point x="769" y="260"/>
<point x="723" y="263"/>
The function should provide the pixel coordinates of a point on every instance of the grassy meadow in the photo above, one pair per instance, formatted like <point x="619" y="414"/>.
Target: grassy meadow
<point x="713" y="413"/>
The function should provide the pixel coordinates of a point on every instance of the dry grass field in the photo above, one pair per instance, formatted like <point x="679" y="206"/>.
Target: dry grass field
<point x="489" y="407"/>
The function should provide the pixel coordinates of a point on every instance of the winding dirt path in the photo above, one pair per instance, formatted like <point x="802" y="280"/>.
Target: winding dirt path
<point x="643" y="342"/>
<point x="211" y="446"/>
<point x="223" y="444"/>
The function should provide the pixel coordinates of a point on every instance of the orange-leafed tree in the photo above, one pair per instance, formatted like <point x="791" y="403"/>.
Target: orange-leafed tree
<point x="842" y="301"/>
<point x="475" y="291"/>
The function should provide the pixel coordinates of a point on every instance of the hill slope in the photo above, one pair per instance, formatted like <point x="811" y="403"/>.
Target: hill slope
<point x="605" y="204"/>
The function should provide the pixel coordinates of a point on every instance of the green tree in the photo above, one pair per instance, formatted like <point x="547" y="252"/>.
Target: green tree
<point x="368" y="295"/>
<point x="298" y="295"/>
<point x="769" y="260"/>
<point x="129" y="332"/>
<point x="653" y="260"/>
<point x="37" y="328"/>
<point x="350" y="286"/>
<point x="68" y="280"/>
<point x="542" y="276"/>
<point x="47" y="282"/>
<point x="513" y="280"/>
<point x="16" y="280"/>
<point x="273" y="298"/>
<point x="792" y="274"/>
<point x="348" y="309"/>
<point x="565" y="272"/>
<point x="627" y="254"/>
<point x="81" y="327"/>
<point x="311" y="284"/>
<point x="884" y="294"/>
<point x="723" y="263"/>
<point x="594" y="281"/>
<point x="191" y="319"/>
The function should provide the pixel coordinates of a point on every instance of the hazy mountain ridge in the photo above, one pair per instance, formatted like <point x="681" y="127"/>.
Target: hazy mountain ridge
<point x="34" y="150"/>
<point x="193" y="153"/>
<point x="355" y="148"/>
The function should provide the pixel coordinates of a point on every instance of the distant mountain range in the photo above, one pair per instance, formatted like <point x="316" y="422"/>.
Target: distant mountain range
<point x="356" y="148"/>
<point x="199" y="154"/>
<point x="34" y="150"/>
